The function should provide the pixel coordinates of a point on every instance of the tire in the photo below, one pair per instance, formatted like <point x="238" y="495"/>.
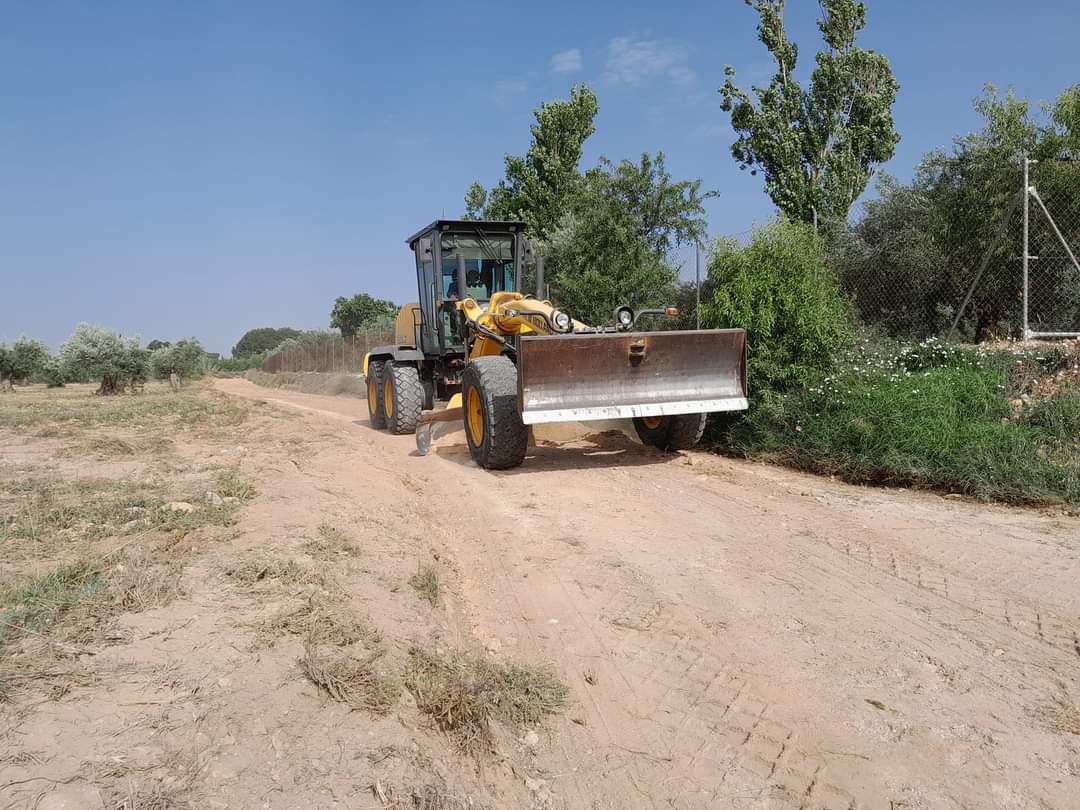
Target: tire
<point x="497" y="437"/>
<point x="403" y="397"/>
<point x="376" y="412"/>
<point x="671" y="432"/>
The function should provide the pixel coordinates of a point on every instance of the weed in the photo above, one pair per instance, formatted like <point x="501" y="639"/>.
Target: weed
<point x="231" y="485"/>
<point x="427" y="582"/>
<point x="38" y="602"/>
<point x="947" y="425"/>
<point x="356" y="682"/>
<point x="463" y="692"/>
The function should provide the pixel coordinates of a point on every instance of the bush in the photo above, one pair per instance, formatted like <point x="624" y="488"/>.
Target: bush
<point x="947" y="425"/>
<point x="780" y="289"/>
<point x="99" y="354"/>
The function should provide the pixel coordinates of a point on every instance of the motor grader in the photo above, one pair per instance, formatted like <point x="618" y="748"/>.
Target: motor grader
<point x="503" y="360"/>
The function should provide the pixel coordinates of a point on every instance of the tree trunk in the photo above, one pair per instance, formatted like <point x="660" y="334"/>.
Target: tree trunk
<point x="6" y="386"/>
<point x="110" y="385"/>
<point x="174" y="381"/>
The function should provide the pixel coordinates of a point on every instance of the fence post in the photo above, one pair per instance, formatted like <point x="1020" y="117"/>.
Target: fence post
<point x="1027" y="205"/>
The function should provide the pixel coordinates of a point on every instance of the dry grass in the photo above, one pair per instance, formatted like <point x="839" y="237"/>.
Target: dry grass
<point x="323" y="621"/>
<point x="255" y="568"/>
<point x="464" y="692"/>
<point x="427" y="582"/>
<point x="231" y="485"/>
<point x="331" y="544"/>
<point x="421" y="797"/>
<point x="357" y="682"/>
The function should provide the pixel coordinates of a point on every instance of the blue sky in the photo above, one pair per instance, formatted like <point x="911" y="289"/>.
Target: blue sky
<point x="175" y="169"/>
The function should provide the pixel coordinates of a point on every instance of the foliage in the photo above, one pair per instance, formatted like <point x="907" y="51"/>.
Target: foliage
<point x="21" y="360"/>
<point x="350" y="315"/>
<point x="928" y="238"/>
<point x="237" y="365"/>
<point x="263" y="339"/>
<point x="185" y="359"/>
<point x="781" y="290"/>
<point x="817" y="146"/>
<point x="928" y="417"/>
<point x="154" y="345"/>
<point x="537" y="187"/>
<point x="613" y="246"/>
<point x="95" y="353"/>
<point x="51" y="373"/>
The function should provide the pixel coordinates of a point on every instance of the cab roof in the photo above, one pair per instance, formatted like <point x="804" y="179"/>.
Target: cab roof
<point x="488" y="226"/>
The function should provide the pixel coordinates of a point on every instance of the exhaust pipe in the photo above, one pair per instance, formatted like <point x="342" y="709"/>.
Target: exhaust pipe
<point x="540" y="278"/>
<point x="459" y="276"/>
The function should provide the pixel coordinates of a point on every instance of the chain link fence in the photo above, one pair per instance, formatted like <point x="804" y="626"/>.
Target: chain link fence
<point x="946" y="256"/>
<point x="337" y="355"/>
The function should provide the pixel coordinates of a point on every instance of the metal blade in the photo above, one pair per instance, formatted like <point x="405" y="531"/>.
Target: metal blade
<point x="616" y="375"/>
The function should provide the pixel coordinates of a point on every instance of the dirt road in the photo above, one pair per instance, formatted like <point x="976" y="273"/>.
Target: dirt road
<point x="737" y="635"/>
<point x="732" y="635"/>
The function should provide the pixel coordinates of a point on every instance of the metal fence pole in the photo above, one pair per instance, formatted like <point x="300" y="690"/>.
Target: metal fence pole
<point x="697" y="282"/>
<point x="1027" y="205"/>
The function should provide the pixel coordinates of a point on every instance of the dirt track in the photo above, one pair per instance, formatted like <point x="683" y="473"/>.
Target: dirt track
<point x="754" y="637"/>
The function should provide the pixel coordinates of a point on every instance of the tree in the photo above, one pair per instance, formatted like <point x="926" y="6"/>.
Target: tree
<point x="21" y="360"/>
<point x="613" y="246"/>
<point x="261" y="340"/>
<point x="818" y="146"/>
<point x="95" y="353"/>
<point x="157" y="344"/>
<point x="184" y="359"/>
<point x="350" y="315"/>
<point x="538" y="187"/>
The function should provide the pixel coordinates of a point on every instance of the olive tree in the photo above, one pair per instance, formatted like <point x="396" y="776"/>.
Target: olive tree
<point x="178" y="361"/>
<point x="20" y="361"/>
<point x="100" y="354"/>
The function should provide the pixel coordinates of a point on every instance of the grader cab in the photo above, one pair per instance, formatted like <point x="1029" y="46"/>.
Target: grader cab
<point x="502" y="360"/>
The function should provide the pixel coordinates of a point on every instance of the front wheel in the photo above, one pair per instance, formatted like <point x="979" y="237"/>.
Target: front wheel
<point x="496" y="435"/>
<point x="670" y="432"/>
<point x="403" y="397"/>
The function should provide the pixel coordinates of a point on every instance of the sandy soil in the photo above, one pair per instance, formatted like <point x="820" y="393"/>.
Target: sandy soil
<point x="733" y="635"/>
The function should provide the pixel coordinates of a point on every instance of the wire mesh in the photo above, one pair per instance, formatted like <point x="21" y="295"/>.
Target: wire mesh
<point x="337" y="355"/>
<point x="1053" y="247"/>
<point x="944" y="255"/>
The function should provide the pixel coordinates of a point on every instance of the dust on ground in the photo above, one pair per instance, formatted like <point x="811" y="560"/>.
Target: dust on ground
<point x="271" y="605"/>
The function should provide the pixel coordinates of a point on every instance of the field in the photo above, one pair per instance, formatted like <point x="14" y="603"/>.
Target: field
<point x="243" y="597"/>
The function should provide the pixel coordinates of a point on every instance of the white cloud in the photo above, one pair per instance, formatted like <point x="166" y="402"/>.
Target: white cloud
<point x="566" y="61"/>
<point x="632" y="61"/>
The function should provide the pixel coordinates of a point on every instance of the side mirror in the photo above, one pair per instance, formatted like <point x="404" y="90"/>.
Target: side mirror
<point x="424" y="247"/>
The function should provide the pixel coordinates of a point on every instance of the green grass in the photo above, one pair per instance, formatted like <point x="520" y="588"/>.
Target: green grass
<point x="933" y="418"/>
<point x="36" y="603"/>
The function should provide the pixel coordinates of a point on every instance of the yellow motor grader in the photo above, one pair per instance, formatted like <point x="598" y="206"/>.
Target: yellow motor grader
<point x="503" y="360"/>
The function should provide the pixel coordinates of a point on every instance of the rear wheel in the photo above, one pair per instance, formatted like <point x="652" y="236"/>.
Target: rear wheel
<point x="403" y="397"/>
<point x="671" y="432"/>
<point x="376" y="413"/>
<point x="497" y="437"/>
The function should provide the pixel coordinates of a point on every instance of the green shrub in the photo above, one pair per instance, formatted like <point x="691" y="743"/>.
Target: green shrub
<point x="781" y="290"/>
<point x="947" y="425"/>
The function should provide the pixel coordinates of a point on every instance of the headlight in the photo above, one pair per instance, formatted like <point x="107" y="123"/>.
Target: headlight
<point x="562" y="321"/>
<point x="625" y="316"/>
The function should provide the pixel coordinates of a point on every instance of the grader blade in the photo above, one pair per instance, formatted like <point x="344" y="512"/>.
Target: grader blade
<point x="613" y="375"/>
